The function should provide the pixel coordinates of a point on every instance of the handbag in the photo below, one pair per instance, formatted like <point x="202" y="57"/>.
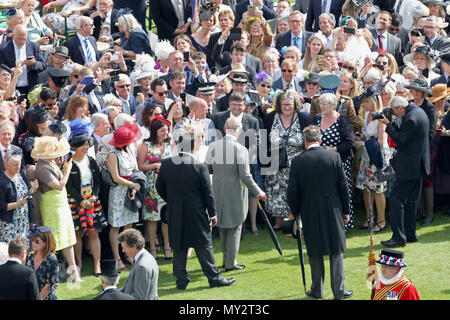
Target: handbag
<point x="106" y="175"/>
<point x="374" y="152"/>
<point x="283" y="160"/>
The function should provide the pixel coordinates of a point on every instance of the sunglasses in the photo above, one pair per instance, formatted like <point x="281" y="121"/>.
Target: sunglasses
<point x="349" y="68"/>
<point x="263" y="85"/>
<point x="163" y="93"/>
<point x="288" y="71"/>
<point x="124" y="85"/>
<point x="75" y="76"/>
<point x="37" y="241"/>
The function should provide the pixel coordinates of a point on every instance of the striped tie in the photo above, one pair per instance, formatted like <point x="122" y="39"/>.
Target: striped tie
<point x="88" y="51"/>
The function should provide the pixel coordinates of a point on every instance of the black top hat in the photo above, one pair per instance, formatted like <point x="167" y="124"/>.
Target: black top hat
<point x="420" y="84"/>
<point x="62" y="51"/>
<point x="109" y="267"/>
<point x="5" y="67"/>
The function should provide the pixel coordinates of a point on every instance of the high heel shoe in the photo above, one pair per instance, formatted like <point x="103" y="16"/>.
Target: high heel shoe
<point x="121" y="266"/>
<point x="381" y="228"/>
<point x="168" y="256"/>
<point x="154" y="254"/>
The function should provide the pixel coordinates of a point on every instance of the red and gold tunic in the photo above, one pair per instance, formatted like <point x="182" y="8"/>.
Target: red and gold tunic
<point x="402" y="289"/>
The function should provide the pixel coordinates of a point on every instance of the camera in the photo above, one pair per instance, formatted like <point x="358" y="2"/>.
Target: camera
<point x="387" y="112"/>
<point x="416" y="32"/>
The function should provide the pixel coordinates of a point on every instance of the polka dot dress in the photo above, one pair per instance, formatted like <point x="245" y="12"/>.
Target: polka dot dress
<point x="331" y="138"/>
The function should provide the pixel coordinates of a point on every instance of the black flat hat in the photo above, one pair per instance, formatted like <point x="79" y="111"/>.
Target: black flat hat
<point x="109" y="267"/>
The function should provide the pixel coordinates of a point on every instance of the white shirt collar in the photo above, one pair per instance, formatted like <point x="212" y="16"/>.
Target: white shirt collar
<point x="15" y="260"/>
<point x="109" y="288"/>
<point x="239" y="117"/>
<point x="138" y="255"/>
<point x="313" y="145"/>
<point x="300" y="35"/>
<point x="81" y="37"/>
<point x="231" y="137"/>
<point x="2" y="147"/>
<point x="21" y="48"/>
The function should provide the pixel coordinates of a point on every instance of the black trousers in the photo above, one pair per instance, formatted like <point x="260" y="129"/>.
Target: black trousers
<point x="207" y="261"/>
<point x="404" y="199"/>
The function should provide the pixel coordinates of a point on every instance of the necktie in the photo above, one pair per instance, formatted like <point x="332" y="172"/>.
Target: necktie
<point x="288" y="86"/>
<point x="297" y="42"/>
<point x="380" y="42"/>
<point x="126" y="107"/>
<point x="88" y="51"/>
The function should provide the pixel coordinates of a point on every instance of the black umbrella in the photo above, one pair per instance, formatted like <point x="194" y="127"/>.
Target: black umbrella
<point x="300" y="251"/>
<point x="271" y="232"/>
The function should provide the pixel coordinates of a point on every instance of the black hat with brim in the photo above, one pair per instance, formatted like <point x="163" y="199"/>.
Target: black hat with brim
<point x="420" y="84"/>
<point x="40" y="115"/>
<point x="5" y="67"/>
<point x="58" y="75"/>
<point x="36" y="230"/>
<point x="445" y="57"/>
<point x="239" y="77"/>
<point x="109" y="267"/>
<point x="439" y="2"/>
<point x="57" y="127"/>
<point x="80" y="138"/>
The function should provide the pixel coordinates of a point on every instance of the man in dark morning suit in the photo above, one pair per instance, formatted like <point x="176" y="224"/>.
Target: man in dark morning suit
<point x="388" y="42"/>
<point x="315" y="10"/>
<point x="82" y="46"/>
<point x="226" y="22"/>
<point x="19" y="49"/>
<point x="7" y="133"/>
<point x="445" y="66"/>
<point x="249" y="123"/>
<point x="105" y="15"/>
<point x="138" y="8"/>
<point x="185" y="185"/>
<point x="224" y="58"/>
<point x="296" y="36"/>
<point x="301" y="5"/>
<point x="18" y="282"/>
<point x="410" y="163"/>
<point x="266" y="6"/>
<point x="170" y="21"/>
<point x="318" y="195"/>
<point x="110" y="278"/>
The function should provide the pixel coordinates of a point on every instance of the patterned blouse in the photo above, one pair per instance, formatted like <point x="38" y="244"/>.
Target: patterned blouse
<point x="46" y="273"/>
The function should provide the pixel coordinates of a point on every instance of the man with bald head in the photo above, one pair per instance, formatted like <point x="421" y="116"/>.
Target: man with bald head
<point x="198" y="108"/>
<point x="228" y="161"/>
<point x="24" y="54"/>
<point x="83" y="47"/>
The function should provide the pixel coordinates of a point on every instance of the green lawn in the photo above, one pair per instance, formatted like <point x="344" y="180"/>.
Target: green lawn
<point x="268" y="277"/>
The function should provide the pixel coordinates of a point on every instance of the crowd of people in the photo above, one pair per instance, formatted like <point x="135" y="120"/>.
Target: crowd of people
<point x="93" y="105"/>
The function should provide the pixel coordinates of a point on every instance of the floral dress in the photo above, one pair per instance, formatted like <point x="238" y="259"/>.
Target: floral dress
<point x="367" y="177"/>
<point x="331" y="138"/>
<point x="118" y="214"/>
<point x="153" y="201"/>
<point x="46" y="273"/>
<point x="276" y="184"/>
<point x="58" y="22"/>
<point x="20" y="223"/>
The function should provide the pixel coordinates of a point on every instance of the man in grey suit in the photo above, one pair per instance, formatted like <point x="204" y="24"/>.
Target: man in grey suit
<point x="142" y="282"/>
<point x="228" y="161"/>
<point x="383" y="39"/>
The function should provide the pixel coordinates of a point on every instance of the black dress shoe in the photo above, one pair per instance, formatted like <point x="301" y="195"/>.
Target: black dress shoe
<point x="347" y="294"/>
<point x="236" y="267"/>
<point x="221" y="283"/>
<point x="427" y="221"/>
<point x="412" y="240"/>
<point x="182" y="286"/>
<point x="309" y="294"/>
<point x="392" y="243"/>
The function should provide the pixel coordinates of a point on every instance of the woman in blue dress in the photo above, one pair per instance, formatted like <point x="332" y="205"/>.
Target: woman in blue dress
<point x="134" y="41"/>
<point x="44" y="261"/>
<point x="200" y="38"/>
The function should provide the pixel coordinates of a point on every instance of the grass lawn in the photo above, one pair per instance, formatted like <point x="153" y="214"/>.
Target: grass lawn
<point x="268" y="277"/>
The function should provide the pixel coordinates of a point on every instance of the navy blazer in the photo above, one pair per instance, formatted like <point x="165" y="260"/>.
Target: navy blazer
<point x="284" y="40"/>
<point x="268" y="11"/>
<point x="98" y="22"/>
<point x="76" y="52"/>
<point x="191" y="82"/>
<point x="8" y="58"/>
<point x="440" y="79"/>
<point x="8" y="194"/>
<point x="163" y="14"/>
<point x="315" y="10"/>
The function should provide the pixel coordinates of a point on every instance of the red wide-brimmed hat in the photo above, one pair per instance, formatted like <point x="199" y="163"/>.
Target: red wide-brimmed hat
<point x="126" y="135"/>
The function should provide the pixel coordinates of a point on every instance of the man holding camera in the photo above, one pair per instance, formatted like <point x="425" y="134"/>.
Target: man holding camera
<point x="410" y="163"/>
